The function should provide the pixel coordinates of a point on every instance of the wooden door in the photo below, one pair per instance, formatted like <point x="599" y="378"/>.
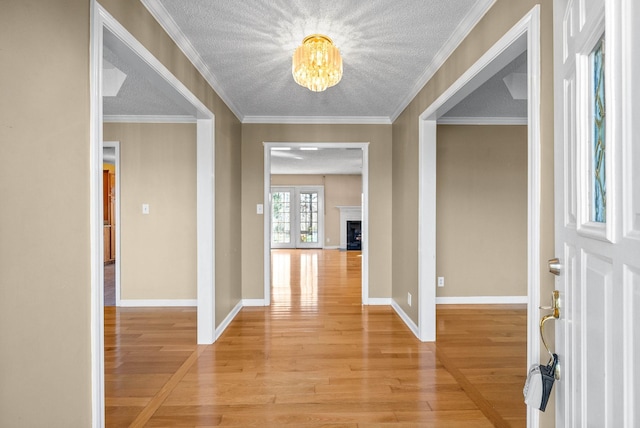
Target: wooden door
<point x="597" y="212"/>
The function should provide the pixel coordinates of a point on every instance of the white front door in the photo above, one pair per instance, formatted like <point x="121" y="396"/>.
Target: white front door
<point x="297" y="217"/>
<point x="597" y="211"/>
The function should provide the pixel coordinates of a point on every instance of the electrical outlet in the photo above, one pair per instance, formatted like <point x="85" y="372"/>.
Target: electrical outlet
<point x="145" y="208"/>
<point x="409" y="299"/>
<point x="259" y="209"/>
<point x="328" y="240"/>
<point x="441" y="281"/>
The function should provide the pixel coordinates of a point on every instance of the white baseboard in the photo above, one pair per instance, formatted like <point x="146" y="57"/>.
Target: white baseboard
<point x="405" y="318"/>
<point x="253" y="302"/>
<point x="378" y="301"/>
<point x="482" y="300"/>
<point x="227" y="320"/>
<point x="131" y="303"/>
<point x="333" y="247"/>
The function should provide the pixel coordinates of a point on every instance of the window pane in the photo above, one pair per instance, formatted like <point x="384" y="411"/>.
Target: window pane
<point x="309" y="217"/>
<point x="281" y="212"/>
<point x="599" y="212"/>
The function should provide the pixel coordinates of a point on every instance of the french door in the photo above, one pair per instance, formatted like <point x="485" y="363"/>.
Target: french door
<point x="597" y="211"/>
<point x="297" y="217"/>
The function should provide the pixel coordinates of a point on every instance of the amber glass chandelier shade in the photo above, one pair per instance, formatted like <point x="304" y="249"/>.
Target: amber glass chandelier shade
<point x="317" y="64"/>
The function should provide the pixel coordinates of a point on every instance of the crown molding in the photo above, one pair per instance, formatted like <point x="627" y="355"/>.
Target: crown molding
<point x="461" y="32"/>
<point x="482" y="120"/>
<point x="159" y="12"/>
<point x="124" y="118"/>
<point x="323" y="120"/>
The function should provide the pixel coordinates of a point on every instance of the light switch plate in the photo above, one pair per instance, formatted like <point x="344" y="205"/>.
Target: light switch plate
<point x="145" y="208"/>
<point x="260" y="209"/>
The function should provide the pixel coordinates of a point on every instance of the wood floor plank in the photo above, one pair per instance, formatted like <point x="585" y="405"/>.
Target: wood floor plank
<point x="316" y="358"/>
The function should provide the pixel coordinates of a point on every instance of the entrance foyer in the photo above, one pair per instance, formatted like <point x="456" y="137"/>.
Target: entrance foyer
<point x="316" y="357"/>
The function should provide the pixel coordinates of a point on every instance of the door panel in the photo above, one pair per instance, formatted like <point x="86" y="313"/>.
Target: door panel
<point x="596" y="170"/>
<point x="281" y="203"/>
<point x="308" y="219"/>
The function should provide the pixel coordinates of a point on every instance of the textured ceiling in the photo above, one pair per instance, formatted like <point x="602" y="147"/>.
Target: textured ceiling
<point x="492" y="99"/>
<point x="244" y="49"/>
<point x="389" y="49"/>
<point x="138" y="96"/>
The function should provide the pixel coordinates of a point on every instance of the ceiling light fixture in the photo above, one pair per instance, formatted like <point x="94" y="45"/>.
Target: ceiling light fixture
<point x="317" y="64"/>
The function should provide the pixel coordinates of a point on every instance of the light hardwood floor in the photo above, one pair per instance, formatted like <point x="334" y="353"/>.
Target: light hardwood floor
<point x="316" y="358"/>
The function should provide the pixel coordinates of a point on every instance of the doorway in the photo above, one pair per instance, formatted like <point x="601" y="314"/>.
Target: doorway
<point x="111" y="215"/>
<point x="362" y="153"/>
<point x="523" y="36"/>
<point x="106" y="29"/>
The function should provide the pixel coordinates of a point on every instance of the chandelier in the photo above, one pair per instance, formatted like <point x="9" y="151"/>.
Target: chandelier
<point x="317" y="64"/>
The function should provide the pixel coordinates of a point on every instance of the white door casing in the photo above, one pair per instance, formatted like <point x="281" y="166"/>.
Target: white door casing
<point x="102" y="23"/>
<point x="267" y="210"/>
<point x="598" y="334"/>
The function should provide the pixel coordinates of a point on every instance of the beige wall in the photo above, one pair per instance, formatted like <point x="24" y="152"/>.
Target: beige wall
<point x="44" y="250"/>
<point x="44" y="214"/>
<point x="379" y="137"/>
<point x="481" y="210"/>
<point x="339" y="190"/>
<point x="137" y="20"/>
<point x="45" y="338"/>
<point x="158" y="250"/>
<point x="503" y="15"/>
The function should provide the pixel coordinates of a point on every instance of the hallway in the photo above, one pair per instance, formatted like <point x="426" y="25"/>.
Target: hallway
<point x="316" y="357"/>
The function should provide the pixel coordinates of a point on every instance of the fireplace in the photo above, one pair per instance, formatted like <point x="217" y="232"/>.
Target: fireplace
<point x="354" y="235"/>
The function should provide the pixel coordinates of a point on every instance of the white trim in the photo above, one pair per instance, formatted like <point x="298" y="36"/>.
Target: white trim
<point x="406" y="318"/>
<point x="266" y="257"/>
<point x="253" y="302"/>
<point x="126" y="118"/>
<point x="101" y="20"/>
<point x="205" y="147"/>
<point x="227" y="320"/>
<point x="322" y="120"/>
<point x="460" y="33"/>
<point x="365" y="223"/>
<point x="482" y="300"/>
<point x="427" y="231"/>
<point x="172" y="29"/>
<point x="206" y="229"/>
<point x="332" y="247"/>
<point x="118" y="284"/>
<point x="528" y="26"/>
<point x="267" y="210"/>
<point x="380" y="301"/>
<point x="144" y="303"/>
<point x="96" y="220"/>
<point x="444" y="120"/>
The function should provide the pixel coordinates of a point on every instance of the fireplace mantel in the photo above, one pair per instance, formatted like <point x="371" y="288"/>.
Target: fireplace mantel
<point x="347" y="213"/>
